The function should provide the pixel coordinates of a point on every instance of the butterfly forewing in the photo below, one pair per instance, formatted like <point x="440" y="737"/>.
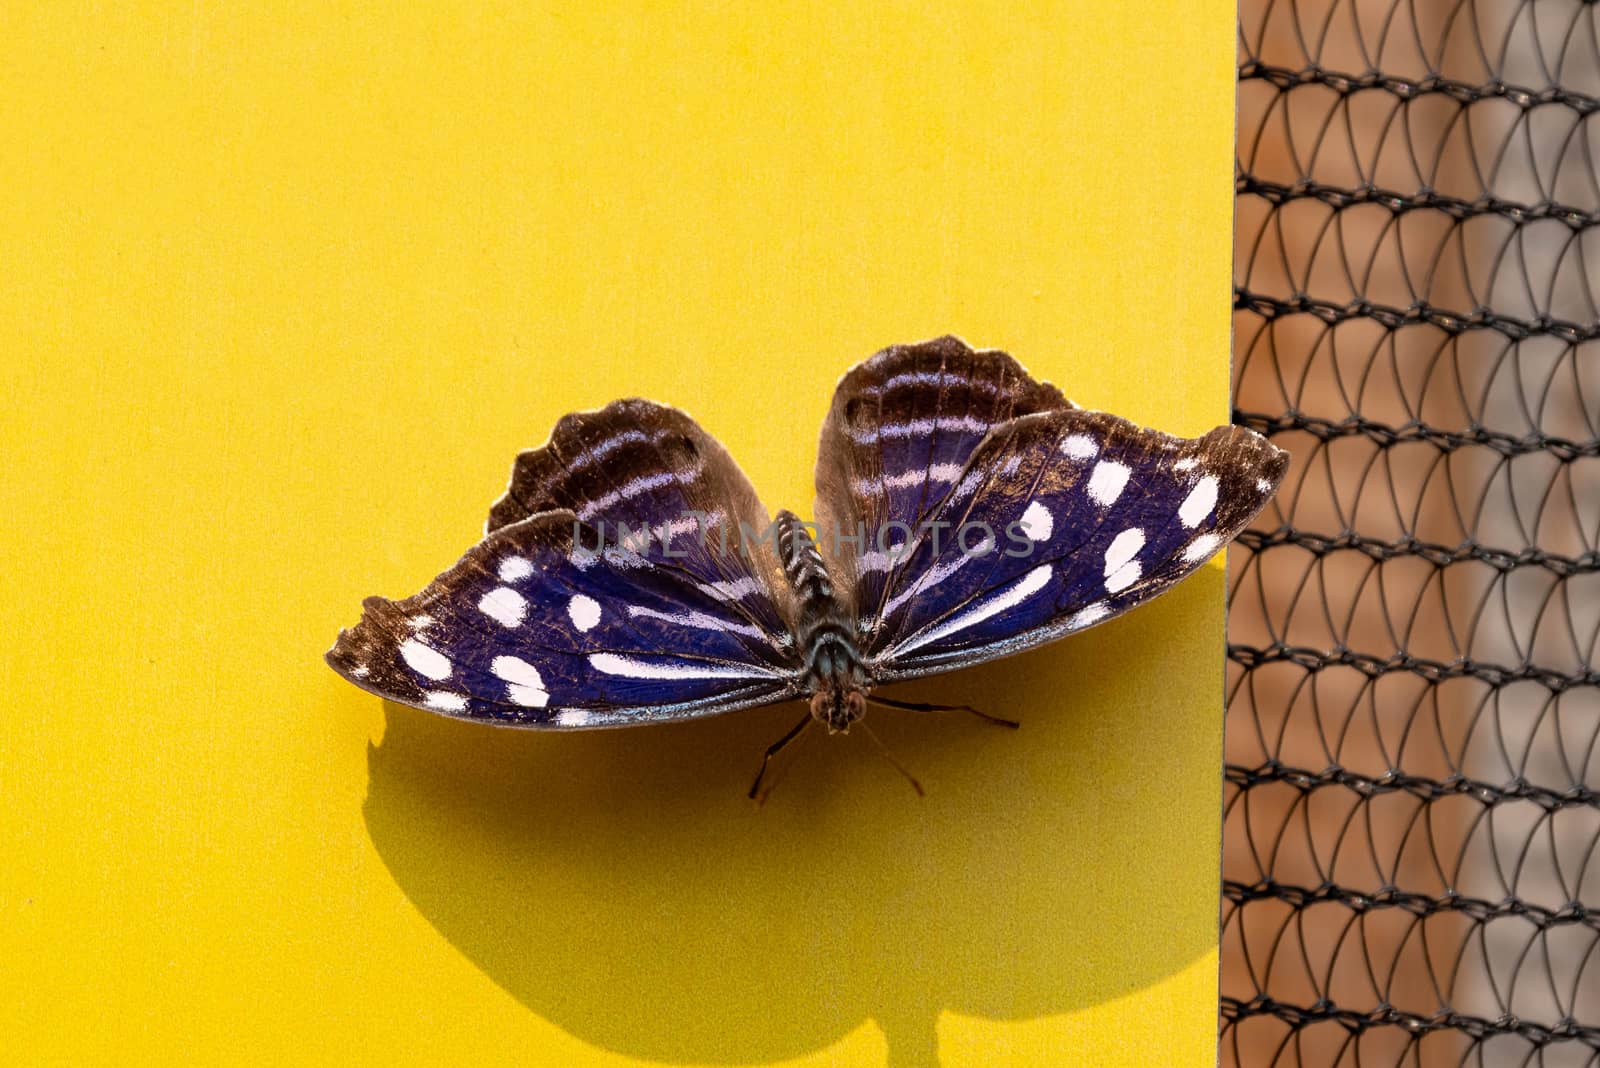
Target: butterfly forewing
<point x="533" y="629"/>
<point x="900" y="430"/>
<point x="1059" y="521"/>
<point x="646" y="479"/>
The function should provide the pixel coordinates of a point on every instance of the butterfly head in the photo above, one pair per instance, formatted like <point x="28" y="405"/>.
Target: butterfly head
<point x="838" y="707"/>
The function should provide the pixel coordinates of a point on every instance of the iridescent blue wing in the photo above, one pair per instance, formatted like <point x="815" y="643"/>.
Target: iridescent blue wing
<point x="1059" y="521"/>
<point x="552" y="622"/>
<point x="901" y="428"/>
<point x="533" y="629"/>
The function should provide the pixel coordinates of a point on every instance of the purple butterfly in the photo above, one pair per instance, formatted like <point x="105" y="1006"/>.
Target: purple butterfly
<point x="965" y="512"/>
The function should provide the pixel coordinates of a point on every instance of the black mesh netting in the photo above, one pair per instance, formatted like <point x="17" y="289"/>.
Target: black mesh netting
<point x="1412" y="842"/>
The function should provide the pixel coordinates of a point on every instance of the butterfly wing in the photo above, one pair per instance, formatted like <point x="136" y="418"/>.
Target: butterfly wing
<point x="902" y="426"/>
<point x="646" y="476"/>
<point x="532" y="629"/>
<point x="1058" y="521"/>
<point x="560" y="619"/>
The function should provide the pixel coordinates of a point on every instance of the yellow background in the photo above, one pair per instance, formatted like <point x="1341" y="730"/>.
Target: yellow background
<point x="285" y="291"/>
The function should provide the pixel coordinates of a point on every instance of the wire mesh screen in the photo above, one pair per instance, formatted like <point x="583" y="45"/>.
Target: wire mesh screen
<point x="1412" y="838"/>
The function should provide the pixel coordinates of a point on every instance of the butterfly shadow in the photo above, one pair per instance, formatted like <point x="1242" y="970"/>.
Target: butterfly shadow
<point x="620" y="885"/>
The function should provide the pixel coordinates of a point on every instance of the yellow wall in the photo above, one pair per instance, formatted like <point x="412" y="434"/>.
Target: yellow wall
<point x="285" y="291"/>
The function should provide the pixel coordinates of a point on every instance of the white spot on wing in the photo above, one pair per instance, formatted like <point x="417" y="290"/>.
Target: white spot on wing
<point x="611" y="444"/>
<point x="1037" y="522"/>
<point x="504" y="605"/>
<point x="1123" y="547"/>
<point x="666" y="533"/>
<point x="524" y="685"/>
<point x="516" y="669"/>
<point x="445" y="702"/>
<point x="973" y="480"/>
<point x="1122" y="570"/>
<point x="1185" y="464"/>
<point x="1107" y="480"/>
<point x="573" y="717"/>
<point x="1202" y="547"/>
<point x="1079" y="446"/>
<point x="1199" y="503"/>
<point x="735" y="590"/>
<point x="917" y="428"/>
<point x="526" y="696"/>
<point x="1124" y="576"/>
<point x="632" y="668"/>
<point x="624" y="558"/>
<point x="916" y="476"/>
<point x="878" y="560"/>
<point x="429" y="663"/>
<point x="584" y="611"/>
<point x="1263" y="486"/>
<point x="514" y="569"/>
<point x="1093" y="614"/>
<point x="1010" y="597"/>
<point x="631" y="489"/>
<point x="696" y="619"/>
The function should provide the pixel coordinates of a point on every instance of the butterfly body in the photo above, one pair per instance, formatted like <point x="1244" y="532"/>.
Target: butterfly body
<point x="964" y="512"/>
<point x="837" y="678"/>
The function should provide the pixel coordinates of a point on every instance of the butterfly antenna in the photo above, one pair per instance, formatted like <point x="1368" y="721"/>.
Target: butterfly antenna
<point x="918" y="706"/>
<point x="901" y="768"/>
<point x="756" y="793"/>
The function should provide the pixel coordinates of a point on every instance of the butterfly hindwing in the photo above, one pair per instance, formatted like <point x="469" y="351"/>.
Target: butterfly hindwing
<point x="901" y="428"/>
<point x="1061" y="520"/>
<point x="531" y="628"/>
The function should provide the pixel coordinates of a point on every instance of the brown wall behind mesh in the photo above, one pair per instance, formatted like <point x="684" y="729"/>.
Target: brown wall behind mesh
<point x="1412" y="834"/>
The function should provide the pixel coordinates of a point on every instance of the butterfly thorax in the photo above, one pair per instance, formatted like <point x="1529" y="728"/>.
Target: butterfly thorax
<point x="837" y="678"/>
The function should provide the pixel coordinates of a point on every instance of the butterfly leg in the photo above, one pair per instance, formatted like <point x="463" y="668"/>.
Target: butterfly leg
<point x="901" y="768"/>
<point x="773" y="750"/>
<point x="917" y="706"/>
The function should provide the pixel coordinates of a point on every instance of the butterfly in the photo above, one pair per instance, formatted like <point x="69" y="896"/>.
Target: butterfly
<point x="630" y="574"/>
